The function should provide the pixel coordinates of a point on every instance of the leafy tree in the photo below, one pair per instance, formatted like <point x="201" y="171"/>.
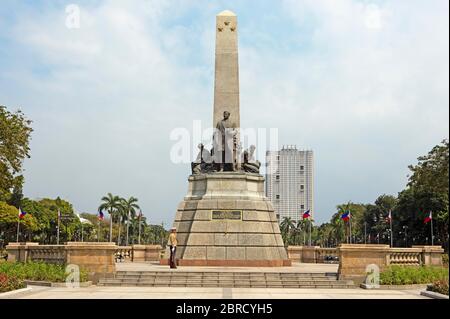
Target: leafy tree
<point x="15" y="134"/>
<point x="430" y="178"/>
<point x="431" y="172"/>
<point x="9" y="216"/>
<point x="375" y="218"/>
<point x="46" y="212"/>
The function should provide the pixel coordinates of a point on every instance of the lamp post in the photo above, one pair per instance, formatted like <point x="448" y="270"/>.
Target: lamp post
<point x="389" y="236"/>
<point x="405" y="228"/>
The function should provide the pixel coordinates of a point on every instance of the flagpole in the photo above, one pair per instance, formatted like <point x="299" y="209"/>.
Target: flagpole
<point x="18" y="225"/>
<point x="310" y="231"/>
<point x="139" y="227"/>
<point x="365" y="233"/>
<point x="98" y="232"/>
<point x="128" y="223"/>
<point x="350" y="222"/>
<point x="432" y="237"/>
<point x="110" y="226"/>
<point x="304" y="234"/>
<point x="59" y="225"/>
<point x="392" y="234"/>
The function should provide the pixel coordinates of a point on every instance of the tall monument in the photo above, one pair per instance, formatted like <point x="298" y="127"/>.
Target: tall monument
<point x="226" y="83"/>
<point x="225" y="219"/>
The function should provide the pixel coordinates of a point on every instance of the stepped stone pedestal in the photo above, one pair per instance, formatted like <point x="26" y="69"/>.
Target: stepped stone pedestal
<point x="226" y="220"/>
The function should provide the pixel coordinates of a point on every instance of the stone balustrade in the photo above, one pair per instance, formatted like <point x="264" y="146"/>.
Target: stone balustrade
<point x="431" y="255"/>
<point x="354" y="259"/>
<point x="123" y="254"/>
<point x="405" y="256"/>
<point x="312" y="254"/>
<point x="415" y="256"/>
<point x="327" y="255"/>
<point x="96" y="258"/>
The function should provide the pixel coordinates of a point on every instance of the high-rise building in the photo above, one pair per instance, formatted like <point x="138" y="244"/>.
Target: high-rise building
<point x="290" y="182"/>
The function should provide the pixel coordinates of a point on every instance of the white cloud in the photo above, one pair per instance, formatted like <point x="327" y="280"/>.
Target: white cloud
<point x="363" y="84"/>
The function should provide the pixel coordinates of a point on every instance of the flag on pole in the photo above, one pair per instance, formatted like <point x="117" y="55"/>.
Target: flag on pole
<point x="389" y="217"/>
<point x="21" y="214"/>
<point x="429" y="218"/>
<point x="101" y="216"/>
<point x="306" y="214"/>
<point x="346" y="216"/>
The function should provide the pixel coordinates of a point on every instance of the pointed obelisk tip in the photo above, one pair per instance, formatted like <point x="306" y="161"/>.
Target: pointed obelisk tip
<point x="227" y="13"/>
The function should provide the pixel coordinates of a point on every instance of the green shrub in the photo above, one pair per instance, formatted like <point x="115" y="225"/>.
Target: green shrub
<point x="8" y="283"/>
<point x="404" y="275"/>
<point x="445" y="259"/>
<point x="38" y="271"/>
<point x="440" y="286"/>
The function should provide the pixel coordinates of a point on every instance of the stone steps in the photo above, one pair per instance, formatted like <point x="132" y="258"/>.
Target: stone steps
<point x="226" y="279"/>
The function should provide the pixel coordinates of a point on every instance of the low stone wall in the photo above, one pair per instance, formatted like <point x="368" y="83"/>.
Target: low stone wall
<point x="19" y="252"/>
<point x="295" y="253"/>
<point x="143" y="253"/>
<point x="312" y="254"/>
<point x="431" y="255"/>
<point x="354" y="259"/>
<point x="96" y="258"/>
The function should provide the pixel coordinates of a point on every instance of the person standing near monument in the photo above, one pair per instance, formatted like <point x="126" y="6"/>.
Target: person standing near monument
<point x="173" y="247"/>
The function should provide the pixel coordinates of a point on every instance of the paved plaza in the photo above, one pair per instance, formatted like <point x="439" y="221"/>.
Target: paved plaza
<point x="95" y="292"/>
<point x="98" y="292"/>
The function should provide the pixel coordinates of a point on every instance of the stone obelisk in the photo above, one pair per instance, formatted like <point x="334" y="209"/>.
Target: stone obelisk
<point x="225" y="219"/>
<point x="226" y="84"/>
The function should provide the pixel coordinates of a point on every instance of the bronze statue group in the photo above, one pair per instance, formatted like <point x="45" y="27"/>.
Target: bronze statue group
<point x="226" y="153"/>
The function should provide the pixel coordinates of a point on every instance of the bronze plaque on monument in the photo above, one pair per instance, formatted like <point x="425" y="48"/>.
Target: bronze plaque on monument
<point x="226" y="214"/>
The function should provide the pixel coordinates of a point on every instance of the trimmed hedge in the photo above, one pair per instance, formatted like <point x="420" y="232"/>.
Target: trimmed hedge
<point x="440" y="286"/>
<point x="8" y="283"/>
<point x="38" y="271"/>
<point x="408" y="275"/>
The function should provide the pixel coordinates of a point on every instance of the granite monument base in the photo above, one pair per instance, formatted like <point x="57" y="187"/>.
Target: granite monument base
<point x="226" y="220"/>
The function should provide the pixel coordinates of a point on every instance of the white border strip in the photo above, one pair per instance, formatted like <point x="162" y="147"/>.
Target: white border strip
<point x="13" y="292"/>
<point x="434" y="295"/>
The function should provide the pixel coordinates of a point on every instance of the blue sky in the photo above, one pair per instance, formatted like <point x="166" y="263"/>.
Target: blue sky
<point x="362" y="83"/>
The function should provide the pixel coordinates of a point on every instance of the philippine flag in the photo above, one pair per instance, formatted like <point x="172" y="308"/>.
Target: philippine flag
<point x="389" y="217"/>
<point x="346" y="216"/>
<point x="428" y="219"/>
<point x="306" y="214"/>
<point x="100" y="215"/>
<point x="21" y="214"/>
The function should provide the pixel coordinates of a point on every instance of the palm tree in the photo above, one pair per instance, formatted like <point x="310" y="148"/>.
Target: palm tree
<point x="338" y="228"/>
<point x="285" y="227"/>
<point x="120" y="216"/>
<point x="129" y="206"/>
<point x="111" y="204"/>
